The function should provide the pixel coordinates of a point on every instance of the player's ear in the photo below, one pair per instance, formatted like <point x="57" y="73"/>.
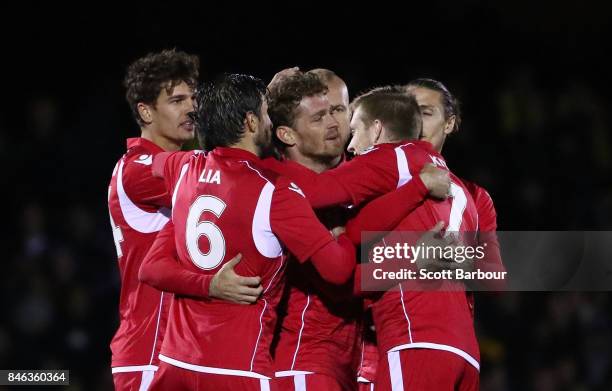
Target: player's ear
<point x="145" y="112"/>
<point x="377" y="129"/>
<point x="449" y="125"/>
<point x="251" y="122"/>
<point x="286" y="135"/>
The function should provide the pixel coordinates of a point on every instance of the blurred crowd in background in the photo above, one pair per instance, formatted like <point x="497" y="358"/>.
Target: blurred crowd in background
<point x="540" y="143"/>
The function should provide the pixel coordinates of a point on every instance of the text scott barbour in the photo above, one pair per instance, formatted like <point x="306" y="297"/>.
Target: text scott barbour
<point x="423" y="274"/>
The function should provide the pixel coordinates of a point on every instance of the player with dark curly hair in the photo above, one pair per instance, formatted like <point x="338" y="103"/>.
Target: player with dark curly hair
<point x="159" y="89"/>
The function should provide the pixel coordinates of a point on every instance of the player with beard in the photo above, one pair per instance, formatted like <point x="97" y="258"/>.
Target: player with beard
<point x="224" y="203"/>
<point x="316" y="131"/>
<point x="320" y="328"/>
<point x="320" y="338"/>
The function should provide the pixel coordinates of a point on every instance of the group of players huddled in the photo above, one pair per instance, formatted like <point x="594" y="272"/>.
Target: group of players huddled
<point x="239" y="263"/>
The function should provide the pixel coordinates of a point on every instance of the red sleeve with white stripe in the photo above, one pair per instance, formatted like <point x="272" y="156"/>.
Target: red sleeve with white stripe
<point x="161" y="268"/>
<point x="387" y="211"/>
<point x="296" y="225"/>
<point x="311" y="183"/>
<point x="167" y="165"/>
<point x="354" y="182"/>
<point x="142" y="187"/>
<point x="363" y="178"/>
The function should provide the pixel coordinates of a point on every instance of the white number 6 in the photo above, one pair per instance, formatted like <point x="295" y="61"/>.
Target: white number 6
<point x="195" y="229"/>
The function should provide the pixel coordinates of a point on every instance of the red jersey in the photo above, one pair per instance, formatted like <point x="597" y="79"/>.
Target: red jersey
<point x="487" y="217"/>
<point x="314" y="337"/>
<point x="225" y="203"/>
<point x="321" y="330"/>
<point x="435" y="320"/>
<point x="137" y="204"/>
<point x="487" y="226"/>
<point x="380" y="170"/>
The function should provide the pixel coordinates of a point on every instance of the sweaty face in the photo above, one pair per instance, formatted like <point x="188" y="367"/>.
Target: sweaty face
<point x="170" y="116"/>
<point x="362" y="135"/>
<point x="338" y="97"/>
<point x="432" y="112"/>
<point x="317" y="131"/>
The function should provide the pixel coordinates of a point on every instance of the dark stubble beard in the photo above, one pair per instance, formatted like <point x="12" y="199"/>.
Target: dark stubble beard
<point x="264" y="143"/>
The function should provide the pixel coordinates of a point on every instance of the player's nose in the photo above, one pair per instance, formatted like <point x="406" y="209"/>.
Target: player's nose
<point x="351" y="146"/>
<point x="332" y="122"/>
<point x="190" y="104"/>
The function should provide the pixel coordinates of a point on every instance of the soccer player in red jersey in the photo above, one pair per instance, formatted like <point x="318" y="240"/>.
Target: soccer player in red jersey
<point x="442" y="117"/>
<point x="320" y="331"/>
<point x="319" y="346"/>
<point x="312" y="137"/>
<point x="226" y="203"/>
<point x="159" y="91"/>
<point x="426" y="339"/>
<point x="370" y="175"/>
<point x="338" y="96"/>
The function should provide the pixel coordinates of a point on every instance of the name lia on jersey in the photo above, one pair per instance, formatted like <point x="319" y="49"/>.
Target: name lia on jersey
<point x="210" y="176"/>
<point x="214" y="176"/>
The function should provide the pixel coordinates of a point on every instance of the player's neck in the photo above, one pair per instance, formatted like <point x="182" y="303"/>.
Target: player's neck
<point x="247" y="145"/>
<point x="316" y="165"/>
<point x="161" y="141"/>
<point x="388" y="140"/>
<point x="436" y="141"/>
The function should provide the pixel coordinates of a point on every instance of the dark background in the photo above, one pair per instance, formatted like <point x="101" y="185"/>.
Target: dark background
<point x="534" y="80"/>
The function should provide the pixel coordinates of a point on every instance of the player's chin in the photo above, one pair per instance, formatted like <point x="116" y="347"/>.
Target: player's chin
<point x="332" y="151"/>
<point x="186" y="133"/>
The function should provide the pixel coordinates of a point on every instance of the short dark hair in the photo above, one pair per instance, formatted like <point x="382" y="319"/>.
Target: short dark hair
<point x="222" y="106"/>
<point x="398" y="111"/>
<point x="449" y="101"/>
<point x="392" y="89"/>
<point x="146" y="77"/>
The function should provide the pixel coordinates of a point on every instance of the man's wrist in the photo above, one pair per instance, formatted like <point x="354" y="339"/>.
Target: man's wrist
<point x="420" y="186"/>
<point x="208" y="289"/>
